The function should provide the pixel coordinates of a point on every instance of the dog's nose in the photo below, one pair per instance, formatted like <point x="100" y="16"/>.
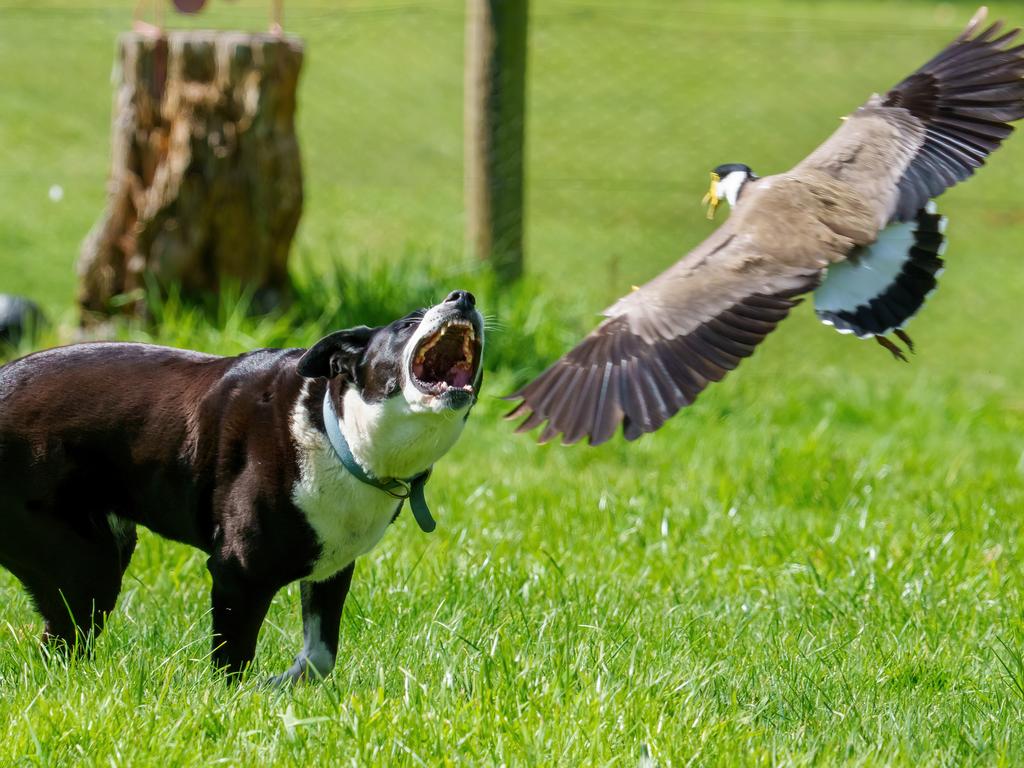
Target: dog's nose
<point x="462" y="299"/>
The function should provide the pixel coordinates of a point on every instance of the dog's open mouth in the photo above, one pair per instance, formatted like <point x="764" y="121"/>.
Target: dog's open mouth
<point x="447" y="359"/>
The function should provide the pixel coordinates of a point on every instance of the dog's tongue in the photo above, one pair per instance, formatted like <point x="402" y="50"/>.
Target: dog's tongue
<point x="459" y="375"/>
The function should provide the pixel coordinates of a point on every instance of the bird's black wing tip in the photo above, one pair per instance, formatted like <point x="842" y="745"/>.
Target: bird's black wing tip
<point x="569" y="434"/>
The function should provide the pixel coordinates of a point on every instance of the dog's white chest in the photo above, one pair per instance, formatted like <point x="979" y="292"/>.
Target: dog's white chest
<point x="348" y="516"/>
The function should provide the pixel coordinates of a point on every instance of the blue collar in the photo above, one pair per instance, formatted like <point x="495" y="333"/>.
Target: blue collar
<point x="411" y="488"/>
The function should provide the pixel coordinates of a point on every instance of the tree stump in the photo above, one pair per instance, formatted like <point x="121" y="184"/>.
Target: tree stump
<point x="206" y="182"/>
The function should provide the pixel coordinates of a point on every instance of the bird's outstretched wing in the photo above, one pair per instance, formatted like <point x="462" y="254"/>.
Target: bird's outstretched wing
<point x="934" y="128"/>
<point x="665" y="342"/>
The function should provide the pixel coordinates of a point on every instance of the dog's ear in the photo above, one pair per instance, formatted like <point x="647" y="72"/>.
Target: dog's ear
<point x="336" y="355"/>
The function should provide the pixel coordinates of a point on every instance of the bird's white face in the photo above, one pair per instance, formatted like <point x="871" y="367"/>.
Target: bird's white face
<point x="730" y="185"/>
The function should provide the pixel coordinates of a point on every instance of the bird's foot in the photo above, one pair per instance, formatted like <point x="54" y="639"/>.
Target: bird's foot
<point x="902" y="336"/>
<point x="896" y="351"/>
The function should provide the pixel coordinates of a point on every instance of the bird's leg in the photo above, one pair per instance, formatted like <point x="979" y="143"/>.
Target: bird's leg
<point x="896" y="351"/>
<point x="902" y="336"/>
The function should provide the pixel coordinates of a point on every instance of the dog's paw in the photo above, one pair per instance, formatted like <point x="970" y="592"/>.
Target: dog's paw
<point x="284" y="680"/>
<point x="299" y="672"/>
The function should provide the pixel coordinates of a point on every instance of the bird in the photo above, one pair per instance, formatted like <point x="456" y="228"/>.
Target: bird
<point x="875" y="290"/>
<point x="854" y="222"/>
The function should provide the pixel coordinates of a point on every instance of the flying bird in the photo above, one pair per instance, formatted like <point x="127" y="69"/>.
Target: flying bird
<point x="854" y="222"/>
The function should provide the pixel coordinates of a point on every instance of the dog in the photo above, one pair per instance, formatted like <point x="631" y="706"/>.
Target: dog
<point x="280" y="465"/>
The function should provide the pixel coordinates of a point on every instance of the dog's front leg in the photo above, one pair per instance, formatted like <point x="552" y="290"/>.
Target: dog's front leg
<point x="322" y="602"/>
<point x="238" y="612"/>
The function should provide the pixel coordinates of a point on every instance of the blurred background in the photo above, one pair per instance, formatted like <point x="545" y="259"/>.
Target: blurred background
<point x="628" y="105"/>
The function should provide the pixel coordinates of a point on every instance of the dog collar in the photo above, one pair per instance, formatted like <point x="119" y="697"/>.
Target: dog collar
<point x="411" y="488"/>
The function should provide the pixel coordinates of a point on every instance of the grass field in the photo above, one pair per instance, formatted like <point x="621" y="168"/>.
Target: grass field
<point x="817" y="564"/>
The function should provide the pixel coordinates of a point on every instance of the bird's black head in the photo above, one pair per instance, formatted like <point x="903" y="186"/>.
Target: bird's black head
<point x="726" y="168"/>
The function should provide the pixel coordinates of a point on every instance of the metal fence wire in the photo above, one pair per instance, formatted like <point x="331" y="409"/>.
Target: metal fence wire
<point x="628" y="105"/>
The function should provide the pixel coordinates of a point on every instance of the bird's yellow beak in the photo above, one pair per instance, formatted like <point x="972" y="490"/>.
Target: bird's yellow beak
<point x="711" y="199"/>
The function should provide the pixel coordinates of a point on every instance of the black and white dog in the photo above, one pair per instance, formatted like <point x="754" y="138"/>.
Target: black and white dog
<point x="279" y="464"/>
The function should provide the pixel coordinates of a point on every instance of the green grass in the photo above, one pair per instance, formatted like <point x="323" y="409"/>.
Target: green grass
<point x="817" y="564"/>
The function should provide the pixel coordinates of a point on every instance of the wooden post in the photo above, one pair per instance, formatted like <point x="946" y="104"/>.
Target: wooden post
<point x="205" y="179"/>
<point x="495" y="109"/>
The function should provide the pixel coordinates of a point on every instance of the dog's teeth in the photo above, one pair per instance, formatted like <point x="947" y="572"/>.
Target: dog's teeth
<point x="429" y="344"/>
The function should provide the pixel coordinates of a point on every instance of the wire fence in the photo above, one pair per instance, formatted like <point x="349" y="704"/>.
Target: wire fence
<point x="629" y="104"/>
